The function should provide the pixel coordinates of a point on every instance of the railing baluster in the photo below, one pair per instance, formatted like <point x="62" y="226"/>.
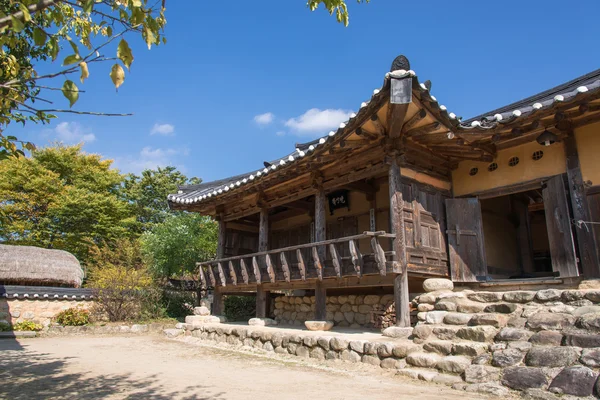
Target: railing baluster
<point x="202" y="277"/>
<point x="317" y="262"/>
<point x="256" y="268"/>
<point x="301" y="265"/>
<point x="232" y="273"/>
<point x="379" y="255"/>
<point x="357" y="258"/>
<point x="337" y="261"/>
<point x="270" y="269"/>
<point x="244" y="271"/>
<point x="285" y="266"/>
<point x="211" y="274"/>
<point x="221" y="274"/>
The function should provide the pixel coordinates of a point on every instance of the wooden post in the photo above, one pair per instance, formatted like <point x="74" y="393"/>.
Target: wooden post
<point x="262" y="296"/>
<point x="320" y="235"/>
<point x="221" y="240"/>
<point x="217" y="304"/>
<point x="581" y="212"/>
<point x="524" y="236"/>
<point x="399" y="245"/>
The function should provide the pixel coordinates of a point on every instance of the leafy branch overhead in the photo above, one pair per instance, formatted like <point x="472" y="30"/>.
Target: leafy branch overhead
<point x="337" y="7"/>
<point x="71" y="36"/>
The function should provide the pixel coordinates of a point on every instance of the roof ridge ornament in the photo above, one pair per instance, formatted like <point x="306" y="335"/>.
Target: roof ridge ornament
<point x="400" y="62"/>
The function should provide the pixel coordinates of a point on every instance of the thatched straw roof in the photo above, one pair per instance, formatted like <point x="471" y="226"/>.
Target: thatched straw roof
<point x="29" y="265"/>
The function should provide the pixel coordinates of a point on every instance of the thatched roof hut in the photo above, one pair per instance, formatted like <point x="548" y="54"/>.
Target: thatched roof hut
<point x="29" y="265"/>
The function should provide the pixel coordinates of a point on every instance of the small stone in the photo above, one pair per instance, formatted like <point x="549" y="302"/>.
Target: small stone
<point x="427" y="298"/>
<point x="445" y="306"/>
<point x="332" y="355"/>
<point x="358" y="345"/>
<point x="427" y="376"/>
<point x="173" y="333"/>
<point x="422" y="316"/>
<point x="373" y="360"/>
<point x="445" y="333"/>
<point x="459" y="386"/>
<point x="469" y="307"/>
<point x="385" y="350"/>
<point x="280" y="350"/>
<point x="538" y="394"/>
<point x="469" y="349"/>
<point x="268" y="346"/>
<point x="593" y="296"/>
<point x="303" y="352"/>
<point x="309" y="341"/>
<point x="397" y="332"/>
<point x="516" y="322"/>
<point x="550" y="321"/>
<point x="408" y="373"/>
<point x="576" y="381"/>
<point x="425" y="360"/>
<point x="338" y="344"/>
<point x="481" y="373"/>
<point x="342" y="299"/>
<point x="435" y="284"/>
<point x="578" y="312"/>
<point x="139" y="328"/>
<point x="513" y="334"/>
<point x="561" y="308"/>
<point x="477" y="333"/>
<point x="371" y="299"/>
<point x="485" y="297"/>
<point x="519" y="296"/>
<point x="201" y="311"/>
<point x="551" y="356"/>
<point x="488" y="388"/>
<point x="438" y="346"/>
<point x="453" y="364"/>
<point x="548" y="295"/>
<point x="323" y="341"/>
<point x="589" y="321"/>
<point x="590" y="358"/>
<point x="580" y="303"/>
<point x="318" y="325"/>
<point x="349" y="355"/>
<point x="482" y="359"/>
<point x="262" y="322"/>
<point x="317" y="353"/>
<point x="424" y="307"/>
<point x="546" y="338"/>
<point x="522" y="378"/>
<point x="388" y="363"/>
<point x="422" y="331"/>
<point x="402" y="350"/>
<point x="502" y="308"/>
<point x="531" y="309"/>
<point x="590" y="284"/>
<point x="521" y="346"/>
<point x="507" y="358"/>
<point x="435" y="317"/>
<point x="498" y="346"/>
<point x="454" y="318"/>
<point x="495" y="320"/>
<point x="445" y="379"/>
<point x="371" y="348"/>
<point x="581" y="340"/>
<point x="572" y="295"/>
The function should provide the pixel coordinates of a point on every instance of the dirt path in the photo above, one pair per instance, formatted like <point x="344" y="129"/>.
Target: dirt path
<point x="155" y="368"/>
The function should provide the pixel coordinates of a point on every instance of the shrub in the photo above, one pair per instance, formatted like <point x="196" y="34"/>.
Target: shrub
<point x="178" y="304"/>
<point x="27" y="326"/>
<point x="5" y="327"/>
<point x="74" y="316"/>
<point x="240" y="308"/>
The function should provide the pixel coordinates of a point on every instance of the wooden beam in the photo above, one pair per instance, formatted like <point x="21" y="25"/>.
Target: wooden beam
<point x="581" y="212"/>
<point x="423" y="130"/>
<point x="319" y="254"/>
<point x="396" y="119"/>
<point x="369" y="135"/>
<point x="221" y="239"/>
<point x="377" y="124"/>
<point x="362" y="187"/>
<point x="415" y="119"/>
<point x="263" y="245"/>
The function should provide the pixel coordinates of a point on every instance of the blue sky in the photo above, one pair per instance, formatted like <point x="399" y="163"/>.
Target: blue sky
<point x="240" y="83"/>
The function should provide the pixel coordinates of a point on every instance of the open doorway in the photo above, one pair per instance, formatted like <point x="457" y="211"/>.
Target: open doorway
<point x="516" y="236"/>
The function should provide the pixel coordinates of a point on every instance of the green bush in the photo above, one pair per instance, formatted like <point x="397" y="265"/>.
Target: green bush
<point x="75" y="316"/>
<point x="240" y="308"/>
<point x="4" y="327"/>
<point x="27" y="326"/>
<point x="178" y="304"/>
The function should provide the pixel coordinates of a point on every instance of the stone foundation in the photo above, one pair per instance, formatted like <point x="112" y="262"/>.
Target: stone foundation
<point x="355" y="311"/>
<point x="41" y="311"/>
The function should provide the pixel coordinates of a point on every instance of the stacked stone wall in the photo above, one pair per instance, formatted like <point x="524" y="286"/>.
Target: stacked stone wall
<point x="41" y="311"/>
<point x="354" y="311"/>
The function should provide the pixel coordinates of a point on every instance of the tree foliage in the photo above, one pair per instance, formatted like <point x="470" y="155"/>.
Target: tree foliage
<point x="173" y="247"/>
<point x="148" y="193"/>
<point x="337" y="7"/>
<point x="72" y="36"/>
<point x="62" y="198"/>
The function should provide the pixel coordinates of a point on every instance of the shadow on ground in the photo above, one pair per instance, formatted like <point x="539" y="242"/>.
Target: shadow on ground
<point x="29" y="375"/>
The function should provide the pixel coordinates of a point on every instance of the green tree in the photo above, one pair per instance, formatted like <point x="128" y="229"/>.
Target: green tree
<point x="148" y="193"/>
<point x="173" y="247"/>
<point x="62" y="198"/>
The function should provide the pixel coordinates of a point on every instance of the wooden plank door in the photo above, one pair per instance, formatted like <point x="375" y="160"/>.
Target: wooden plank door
<point x="465" y="240"/>
<point x="558" y="221"/>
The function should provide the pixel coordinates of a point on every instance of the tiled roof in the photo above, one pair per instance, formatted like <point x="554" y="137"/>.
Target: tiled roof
<point x="192" y="194"/>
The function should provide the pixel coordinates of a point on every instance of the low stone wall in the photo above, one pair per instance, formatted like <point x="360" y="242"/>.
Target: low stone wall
<point x="355" y="311"/>
<point x="109" y="329"/>
<point x="39" y="310"/>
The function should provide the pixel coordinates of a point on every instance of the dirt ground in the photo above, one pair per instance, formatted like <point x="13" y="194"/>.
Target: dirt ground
<point x="151" y="367"/>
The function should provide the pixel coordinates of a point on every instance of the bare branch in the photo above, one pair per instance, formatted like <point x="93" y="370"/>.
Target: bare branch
<point x="39" y="6"/>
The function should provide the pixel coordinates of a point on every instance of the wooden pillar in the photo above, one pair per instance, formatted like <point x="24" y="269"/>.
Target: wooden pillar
<point x="581" y="212"/>
<point x="320" y="235"/>
<point x="262" y="296"/>
<point x="217" y="304"/>
<point x="399" y="245"/>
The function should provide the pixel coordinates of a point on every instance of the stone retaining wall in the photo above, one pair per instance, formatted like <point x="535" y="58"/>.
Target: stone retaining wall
<point x="355" y="311"/>
<point x="38" y="310"/>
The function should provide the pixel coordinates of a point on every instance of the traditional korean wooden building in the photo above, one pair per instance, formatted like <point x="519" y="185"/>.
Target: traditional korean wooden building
<point x="406" y="190"/>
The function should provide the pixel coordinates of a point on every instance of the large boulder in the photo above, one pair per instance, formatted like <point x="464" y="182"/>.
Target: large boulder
<point x="261" y="322"/>
<point x="318" y="325"/>
<point x="551" y="356"/>
<point x="201" y="310"/>
<point x="549" y="321"/>
<point x="576" y="381"/>
<point x="522" y="378"/>
<point x="436" y="284"/>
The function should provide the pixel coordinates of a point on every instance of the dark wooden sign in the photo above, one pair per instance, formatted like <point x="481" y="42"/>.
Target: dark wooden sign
<point x="338" y="199"/>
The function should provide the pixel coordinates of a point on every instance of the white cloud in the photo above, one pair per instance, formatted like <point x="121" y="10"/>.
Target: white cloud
<point x="264" y="119"/>
<point x="280" y="133"/>
<point x="163" y="129"/>
<point x="151" y="158"/>
<point x="317" y="121"/>
<point x="71" y="133"/>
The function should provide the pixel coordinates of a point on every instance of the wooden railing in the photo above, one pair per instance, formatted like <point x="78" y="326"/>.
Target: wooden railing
<point x="239" y="266"/>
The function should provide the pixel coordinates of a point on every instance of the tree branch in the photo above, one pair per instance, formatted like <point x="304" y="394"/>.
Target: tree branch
<point x="39" y="6"/>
